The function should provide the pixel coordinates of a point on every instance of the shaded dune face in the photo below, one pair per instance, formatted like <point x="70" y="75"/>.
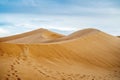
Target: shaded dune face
<point x="87" y="54"/>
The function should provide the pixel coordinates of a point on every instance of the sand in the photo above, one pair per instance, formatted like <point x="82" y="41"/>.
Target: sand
<point x="35" y="36"/>
<point x="88" y="54"/>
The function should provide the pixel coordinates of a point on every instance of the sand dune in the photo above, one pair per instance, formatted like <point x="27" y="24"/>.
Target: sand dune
<point x="87" y="54"/>
<point x="75" y="35"/>
<point x="32" y="37"/>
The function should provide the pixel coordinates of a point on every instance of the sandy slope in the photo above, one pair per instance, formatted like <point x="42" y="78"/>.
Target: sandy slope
<point x="84" y="55"/>
<point x="32" y="37"/>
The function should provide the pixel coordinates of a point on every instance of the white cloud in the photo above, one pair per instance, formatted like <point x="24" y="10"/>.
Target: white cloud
<point x="22" y="23"/>
<point x="3" y="31"/>
<point x="58" y="27"/>
<point x="80" y="7"/>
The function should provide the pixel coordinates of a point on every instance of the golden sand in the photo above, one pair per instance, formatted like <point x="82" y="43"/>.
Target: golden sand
<point x="87" y="54"/>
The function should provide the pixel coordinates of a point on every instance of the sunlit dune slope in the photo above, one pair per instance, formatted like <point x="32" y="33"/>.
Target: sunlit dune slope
<point x="88" y="54"/>
<point x="75" y="35"/>
<point x="32" y="37"/>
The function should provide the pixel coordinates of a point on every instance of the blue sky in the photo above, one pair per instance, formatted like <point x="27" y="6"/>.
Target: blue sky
<point x="64" y="16"/>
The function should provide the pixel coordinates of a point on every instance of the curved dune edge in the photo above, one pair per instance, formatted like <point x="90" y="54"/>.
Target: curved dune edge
<point x="40" y="34"/>
<point x="89" y="54"/>
<point x="51" y="37"/>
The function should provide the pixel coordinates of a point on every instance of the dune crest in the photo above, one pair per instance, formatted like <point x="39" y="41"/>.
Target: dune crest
<point x="32" y="37"/>
<point x="88" y="54"/>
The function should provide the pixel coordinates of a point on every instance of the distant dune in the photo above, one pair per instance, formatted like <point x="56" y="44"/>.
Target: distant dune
<point x="88" y="54"/>
<point x="35" y="36"/>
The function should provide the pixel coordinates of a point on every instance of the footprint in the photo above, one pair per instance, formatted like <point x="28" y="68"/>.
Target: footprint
<point x="12" y="73"/>
<point x="7" y="79"/>
<point x="18" y="78"/>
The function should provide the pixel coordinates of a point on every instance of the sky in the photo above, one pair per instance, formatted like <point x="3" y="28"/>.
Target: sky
<point x="63" y="16"/>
